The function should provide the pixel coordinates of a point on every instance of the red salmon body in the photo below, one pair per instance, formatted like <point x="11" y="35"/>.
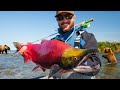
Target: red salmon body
<point x="45" y="54"/>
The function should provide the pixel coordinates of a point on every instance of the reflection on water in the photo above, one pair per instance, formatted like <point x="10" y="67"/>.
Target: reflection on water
<point x="15" y="68"/>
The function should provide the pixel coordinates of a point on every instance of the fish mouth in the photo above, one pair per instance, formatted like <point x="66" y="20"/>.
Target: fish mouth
<point x="85" y="56"/>
<point x="88" y="69"/>
<point x="77" y="57"/>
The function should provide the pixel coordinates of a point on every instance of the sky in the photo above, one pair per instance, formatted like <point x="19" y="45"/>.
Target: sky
<point x="29" y="26"/>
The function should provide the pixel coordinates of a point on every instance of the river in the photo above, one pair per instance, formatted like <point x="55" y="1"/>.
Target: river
<point x="15" y="68"/>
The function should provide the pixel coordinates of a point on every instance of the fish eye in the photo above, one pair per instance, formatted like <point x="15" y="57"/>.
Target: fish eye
<point x="75" y="59"/>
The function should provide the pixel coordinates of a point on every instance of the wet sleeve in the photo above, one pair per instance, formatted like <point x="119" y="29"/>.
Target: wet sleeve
<point x="91" y="42"/>
<point x="93" y="60"/>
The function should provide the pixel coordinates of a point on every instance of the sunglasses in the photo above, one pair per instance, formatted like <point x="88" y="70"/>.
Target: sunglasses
<point x="61" y="17"/>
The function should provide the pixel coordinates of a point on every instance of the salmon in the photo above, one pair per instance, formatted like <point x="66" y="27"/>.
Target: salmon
<point x="50" y="54"/>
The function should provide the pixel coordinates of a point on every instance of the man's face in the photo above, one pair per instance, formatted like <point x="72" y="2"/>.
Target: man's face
<point x="65" y="21"/>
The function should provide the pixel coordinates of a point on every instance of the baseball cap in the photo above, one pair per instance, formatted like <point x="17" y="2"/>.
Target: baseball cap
<point x="59" y="12"/>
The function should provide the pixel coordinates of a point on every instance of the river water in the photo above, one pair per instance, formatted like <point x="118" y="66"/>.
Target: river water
<point x="15" y="68"/>
<point x="110" y="71"/>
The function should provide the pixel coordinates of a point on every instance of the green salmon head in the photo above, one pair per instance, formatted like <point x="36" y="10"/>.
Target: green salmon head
<point x="71" y="57"/>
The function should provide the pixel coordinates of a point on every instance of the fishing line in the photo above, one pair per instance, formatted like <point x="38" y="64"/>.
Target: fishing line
<point x="44" y="37"/>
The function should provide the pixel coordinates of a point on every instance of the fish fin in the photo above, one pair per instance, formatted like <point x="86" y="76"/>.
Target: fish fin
<point x="39" y="67"/>
<point x="44" y="69"/>
<point x="17" y="45"/>
<point x="53" y="70"/>
<point x="20" y="51"/>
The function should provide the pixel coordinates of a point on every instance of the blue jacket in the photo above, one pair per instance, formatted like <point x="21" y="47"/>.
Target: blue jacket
<point x="70" y="36"/>
<point x="87" y="40"/>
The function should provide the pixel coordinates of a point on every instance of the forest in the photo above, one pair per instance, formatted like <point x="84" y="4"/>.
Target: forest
<point x="115" y="46"/>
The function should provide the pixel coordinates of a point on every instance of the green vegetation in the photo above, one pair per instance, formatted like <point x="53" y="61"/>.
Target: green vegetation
<point x="115" y="46"/>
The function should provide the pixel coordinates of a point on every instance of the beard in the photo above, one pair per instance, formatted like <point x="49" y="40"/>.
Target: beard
<point x="66" y="26"/>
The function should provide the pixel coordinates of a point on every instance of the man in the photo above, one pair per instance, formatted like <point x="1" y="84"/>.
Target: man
<point x="77" y="37"/>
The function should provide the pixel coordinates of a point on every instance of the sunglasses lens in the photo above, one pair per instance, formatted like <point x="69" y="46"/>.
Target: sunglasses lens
<point x="60" y="17"/>
<point x="67" y="16"/>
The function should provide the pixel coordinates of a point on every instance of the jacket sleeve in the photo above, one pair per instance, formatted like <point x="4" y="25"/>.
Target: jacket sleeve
<point x="93" y="59"/>
<point x="91" y="42"/>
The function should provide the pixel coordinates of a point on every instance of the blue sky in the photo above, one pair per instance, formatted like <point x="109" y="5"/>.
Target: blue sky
<point x="29" y="26"/>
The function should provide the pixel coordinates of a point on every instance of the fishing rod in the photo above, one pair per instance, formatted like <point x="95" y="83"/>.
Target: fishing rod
<point x="85" y="24"/>
<point x="45" y="37"/>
